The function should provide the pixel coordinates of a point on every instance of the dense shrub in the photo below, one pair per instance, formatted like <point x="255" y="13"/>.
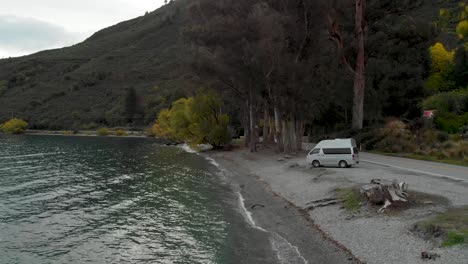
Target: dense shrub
<point x="103" y="131"/>
<point x="121" y="133"/>
<point x="451" y="122"/>
<point x="454" y="101"/>
<point x="14" y="126"/>
<point x="452" y="110"/>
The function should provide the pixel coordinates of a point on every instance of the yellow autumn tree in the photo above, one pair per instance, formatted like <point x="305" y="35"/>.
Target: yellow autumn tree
<point x="162" y="127"/>
<point x="462" y="29"/>
<point x="441" y="58"/>
<point x="195" y="120"/>
<point x="14" y="126"/>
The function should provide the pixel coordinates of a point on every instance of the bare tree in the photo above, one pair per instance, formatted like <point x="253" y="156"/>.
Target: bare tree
<point x="359" y="70"/>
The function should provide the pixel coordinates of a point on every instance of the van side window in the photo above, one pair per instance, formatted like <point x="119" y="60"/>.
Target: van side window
<point x="334" y="151"/>
<point x="315" y="151"/>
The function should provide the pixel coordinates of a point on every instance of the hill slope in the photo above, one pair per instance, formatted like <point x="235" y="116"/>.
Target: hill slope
<point x="87" y="83"/>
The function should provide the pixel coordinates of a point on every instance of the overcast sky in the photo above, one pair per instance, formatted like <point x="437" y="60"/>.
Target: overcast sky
<point x="28" y="26"/>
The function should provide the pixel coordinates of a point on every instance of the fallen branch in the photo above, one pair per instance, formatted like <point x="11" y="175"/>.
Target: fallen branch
<point x="321" y="203"/>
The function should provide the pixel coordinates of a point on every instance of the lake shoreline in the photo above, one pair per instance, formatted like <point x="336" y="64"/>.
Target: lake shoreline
<point x="88" y="133"/>
<point x="288" y="224"/>
<point x="366" y="236"/>
<point x="93" y="134"/>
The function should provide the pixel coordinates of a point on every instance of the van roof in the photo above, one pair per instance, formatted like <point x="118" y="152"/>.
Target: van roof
<point x="337" y="143"/>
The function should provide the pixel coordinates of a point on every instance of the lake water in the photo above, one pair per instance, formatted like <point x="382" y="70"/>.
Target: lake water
<point x="113" y="200"/>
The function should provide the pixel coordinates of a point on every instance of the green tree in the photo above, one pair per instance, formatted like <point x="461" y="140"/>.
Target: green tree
<point x="207" y="123"/>
<point x="196" y="120"/>
<point x="181" y="112"/>
<point x="14" y="126"/>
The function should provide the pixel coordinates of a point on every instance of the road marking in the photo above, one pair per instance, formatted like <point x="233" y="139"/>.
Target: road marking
<point x="417" y="171"/>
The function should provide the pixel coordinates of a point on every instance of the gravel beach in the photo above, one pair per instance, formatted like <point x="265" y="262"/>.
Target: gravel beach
<point x="277" y="189"/>
<point x="292" y="235"/>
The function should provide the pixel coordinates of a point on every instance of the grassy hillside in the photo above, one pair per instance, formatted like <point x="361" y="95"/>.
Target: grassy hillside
<point x="85" y="85"/>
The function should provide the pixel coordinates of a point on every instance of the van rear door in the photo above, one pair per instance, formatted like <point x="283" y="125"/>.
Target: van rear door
<point x="356" y="154"/>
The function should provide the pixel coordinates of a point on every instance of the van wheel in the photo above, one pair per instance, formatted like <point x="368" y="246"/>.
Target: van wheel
<point x="343" y="164"/>
<point x="315" y="163"/>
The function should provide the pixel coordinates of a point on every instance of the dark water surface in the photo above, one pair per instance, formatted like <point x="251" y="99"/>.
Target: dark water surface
<point x="110" y="200"/>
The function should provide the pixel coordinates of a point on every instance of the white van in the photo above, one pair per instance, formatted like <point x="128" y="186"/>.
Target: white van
<point x="338" y="152"/>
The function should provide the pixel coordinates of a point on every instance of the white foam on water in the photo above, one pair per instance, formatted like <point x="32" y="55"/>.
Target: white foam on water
<point x="187" y="148"/>
<point x="213" y="162"/>
<point x="285" y="251"/>
<point x="247" y="214"/>
<point x="30" y="155"/>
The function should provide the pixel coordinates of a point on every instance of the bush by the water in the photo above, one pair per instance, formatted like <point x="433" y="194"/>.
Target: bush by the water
<point x="196" y="120"/>
<point x="14" y="126"/>
<point x="103" y="132"/>
<point x="121" y="133"/>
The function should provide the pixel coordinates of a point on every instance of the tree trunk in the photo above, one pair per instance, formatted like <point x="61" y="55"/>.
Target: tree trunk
<point x="252" y="122"/>
<point x="266" y="123"/>
<point x="292" y="133"/>
<point x="246" y="126"/>
<point x="299" y="134"/>
<point x="286" y="137"/>
<point x="360" y="70"/>
<point x="271" y="131"/>
<point x="385" y="192"/>
<point x="278" y="130"/>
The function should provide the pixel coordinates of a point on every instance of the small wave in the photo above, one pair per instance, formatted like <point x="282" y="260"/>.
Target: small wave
<point x="187" y="148"/>
<point x="247" y="214"/>
<point x="121" y="179"/>
<point x="213" y="162"/>
<point x="30" y="155"/>
<point x="285" y="251"/>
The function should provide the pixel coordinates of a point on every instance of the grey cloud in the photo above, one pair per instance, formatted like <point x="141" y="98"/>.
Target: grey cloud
<point x="30" y="35"/>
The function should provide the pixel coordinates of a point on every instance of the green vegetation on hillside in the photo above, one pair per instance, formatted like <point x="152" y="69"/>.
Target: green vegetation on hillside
<point x="13" y="126"/>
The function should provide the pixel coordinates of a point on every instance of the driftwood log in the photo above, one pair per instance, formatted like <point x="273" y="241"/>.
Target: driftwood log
<point x="384" y="192"/>
<point x="321" y="203"/>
